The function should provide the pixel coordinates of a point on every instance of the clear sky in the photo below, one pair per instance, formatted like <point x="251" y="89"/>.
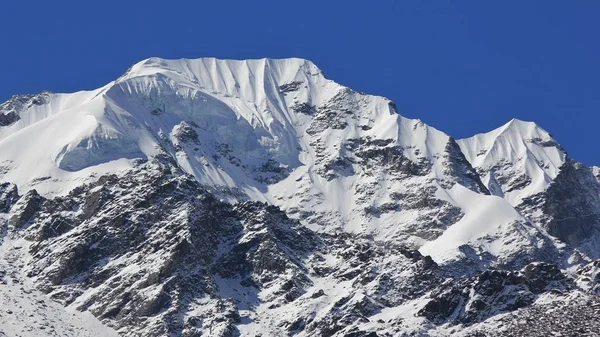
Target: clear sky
<point x="461" y="66"/>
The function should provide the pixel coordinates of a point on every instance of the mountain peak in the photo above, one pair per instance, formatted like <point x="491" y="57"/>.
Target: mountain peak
<point x="515" y="122"/>
<point x="522" y="127"/>
<point x="519" y="146"/>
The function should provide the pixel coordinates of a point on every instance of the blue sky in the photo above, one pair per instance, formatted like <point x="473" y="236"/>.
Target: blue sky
<point x="461" y="66"/>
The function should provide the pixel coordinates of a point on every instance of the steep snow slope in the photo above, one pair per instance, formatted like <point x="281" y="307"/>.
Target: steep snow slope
<point x="490" y="228"/>
<point x="516" y="160"/>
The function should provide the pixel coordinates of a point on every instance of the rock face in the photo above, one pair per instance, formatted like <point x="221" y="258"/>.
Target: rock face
<point x="10" y="110"/>
<point x="8" y="196"/>
<point x="243" y="198"/>
<point x="153" y="253"/>
<point x="493" y="292"/>
<point x="24" y="208"/>
<point x="571" y="203"/>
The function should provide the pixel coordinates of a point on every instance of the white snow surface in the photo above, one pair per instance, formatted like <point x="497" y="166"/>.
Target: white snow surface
<point x="490" y="225"/>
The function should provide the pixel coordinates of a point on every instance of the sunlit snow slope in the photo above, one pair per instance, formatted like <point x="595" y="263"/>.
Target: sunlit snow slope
<point x="516" y="160"/>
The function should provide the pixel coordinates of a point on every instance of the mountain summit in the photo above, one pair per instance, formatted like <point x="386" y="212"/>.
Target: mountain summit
<point x="215" y="197"/>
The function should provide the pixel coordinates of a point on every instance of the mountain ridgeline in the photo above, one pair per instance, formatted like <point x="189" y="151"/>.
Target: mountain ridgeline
<point x="215" y="197"/>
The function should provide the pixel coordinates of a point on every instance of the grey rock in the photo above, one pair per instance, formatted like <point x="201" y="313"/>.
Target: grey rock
<point x="25" y="208"/>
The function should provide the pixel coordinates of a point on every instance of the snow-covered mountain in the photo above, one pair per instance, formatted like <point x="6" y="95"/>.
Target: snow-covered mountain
<point x="224" y="197"/>
<point x="523" y="163"/>
<point x="515" y="161"/>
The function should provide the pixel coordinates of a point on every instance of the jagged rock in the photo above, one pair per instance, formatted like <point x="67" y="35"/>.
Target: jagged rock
<point x="184" y="132"/>
<point x="540" y="275"/>
<point x="25" y="208"/>
<point x="588" y="277"/>
<point x="570" y="203"/>
<point x="318" y="293"/>
<point x="458" y="166"/>
<point x="304" y="108"/>
<point x="271" y="172"/>
<point x="10" y="110"/>
<point x="8" y="196"/>
<point x="290" y="87"/>
<point x="8" y="118"/>
<point x="475" y="299"/>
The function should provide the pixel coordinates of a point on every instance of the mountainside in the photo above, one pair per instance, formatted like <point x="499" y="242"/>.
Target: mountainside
<point x="219" y="197"/>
